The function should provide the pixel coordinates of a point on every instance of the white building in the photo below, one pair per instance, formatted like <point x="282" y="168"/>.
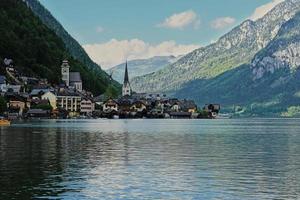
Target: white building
<point x="87" y="106"/>
<point x="51" y="97"/>
<point x="110" y="105"/>
<point x="138" y="106"/>
<point x="70" y="101"/>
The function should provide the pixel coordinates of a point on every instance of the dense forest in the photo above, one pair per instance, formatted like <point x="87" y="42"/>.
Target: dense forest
<point x="38" y="51"/>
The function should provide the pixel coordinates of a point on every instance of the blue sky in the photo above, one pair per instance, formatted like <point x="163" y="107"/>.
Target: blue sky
<point x="151" y="26"/>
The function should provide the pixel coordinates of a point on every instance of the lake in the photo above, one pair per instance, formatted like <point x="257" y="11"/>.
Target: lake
<point x="151" y="159"/>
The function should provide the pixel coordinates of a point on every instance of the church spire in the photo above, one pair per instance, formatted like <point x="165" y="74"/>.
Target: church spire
<point x="126" y="79"/>
<point x="126" y="90"/>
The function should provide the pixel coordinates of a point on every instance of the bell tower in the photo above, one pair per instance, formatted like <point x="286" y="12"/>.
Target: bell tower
<point x="65" y="72"/>
<point x="126" y="90"/>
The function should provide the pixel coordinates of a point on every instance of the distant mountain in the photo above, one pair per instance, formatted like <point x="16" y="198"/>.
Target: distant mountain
<point x="283" y="52"/>
<point x="269" y="85"/>
<point x="73" y="47"/>
<point x="258" y="74"/>
<point x="37" y="50"/>
<point x="232" y="50"/>
<point x="141" y="67"/>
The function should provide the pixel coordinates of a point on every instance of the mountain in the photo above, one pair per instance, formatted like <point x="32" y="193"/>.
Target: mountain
<point x="234" y="49"/>
<point x="282" y="52"/>
<point x="37" y="50"/>
<point x="141" y="67"/>
<point x="265" y="81"/>
<point x="73" y="47"/>
<point x="269" y="85"/>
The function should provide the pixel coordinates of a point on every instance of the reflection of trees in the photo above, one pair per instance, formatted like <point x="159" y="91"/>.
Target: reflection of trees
<point x="27" y="158"/>
<point x="42" y="162"/>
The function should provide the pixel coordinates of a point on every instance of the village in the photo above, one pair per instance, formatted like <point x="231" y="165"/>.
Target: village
<point x="70" y="100"/>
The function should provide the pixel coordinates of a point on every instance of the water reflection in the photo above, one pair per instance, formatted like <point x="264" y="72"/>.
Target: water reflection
<point x="151" y="159"/>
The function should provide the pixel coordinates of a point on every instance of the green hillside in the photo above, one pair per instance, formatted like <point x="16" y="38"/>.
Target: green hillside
<point x="37" y="50"/>
<point x="276" y="91"/>
<point x="71" y="44"/>
<point x="235" y="48"/>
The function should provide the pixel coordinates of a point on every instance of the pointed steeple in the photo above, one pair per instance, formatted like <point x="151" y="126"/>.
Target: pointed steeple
<point x="126" y="90"/>
<point x="126" y="79"/>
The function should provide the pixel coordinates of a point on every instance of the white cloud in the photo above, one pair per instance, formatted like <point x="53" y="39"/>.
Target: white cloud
<point x="99" y="29"/>
<point x="181" y="20"/>
<point x="222" y="22"/>
<point x="264" y="9"/>
<point x="115" y="51"/>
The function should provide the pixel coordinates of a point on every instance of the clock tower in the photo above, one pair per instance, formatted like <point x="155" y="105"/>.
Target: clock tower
<point x="65" y="72"/>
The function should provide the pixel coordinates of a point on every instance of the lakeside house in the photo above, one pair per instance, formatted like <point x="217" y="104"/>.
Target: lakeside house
<point x="67" y="100"/>
<point x="139" y="105"/>
<point x="87" y="106"/>
<point x="71" y="100"/>
<point x="38" y="113"/>
<point x="51" y="97"/>
<point x="110" y="106"/>
<point x="213" y="109"/>
<point x="17" y="104"/>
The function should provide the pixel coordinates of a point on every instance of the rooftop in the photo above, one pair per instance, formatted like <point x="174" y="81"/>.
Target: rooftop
<point x="67" y="92"/>
<point x="35" y="92"/>
<point x="75" y="77"/>
<point x="37" y="111"/>
<point x="2" y="80"/>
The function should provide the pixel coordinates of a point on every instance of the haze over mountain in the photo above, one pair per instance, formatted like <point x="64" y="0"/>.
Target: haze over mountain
<point x="255" y="66"/>
<point x="141" y="67"/>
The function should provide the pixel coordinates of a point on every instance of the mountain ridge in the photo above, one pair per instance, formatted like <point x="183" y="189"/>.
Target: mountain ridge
<point x="139" y="67"/>
<point x="232" y="50"/>
<point x="36" y="50"/>
<point x="268" y="86"/>
<point x="258" y="76"/>
<point x="74" y="48"/>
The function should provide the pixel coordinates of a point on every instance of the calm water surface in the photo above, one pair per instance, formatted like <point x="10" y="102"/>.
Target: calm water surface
<point x="151" y="159"/>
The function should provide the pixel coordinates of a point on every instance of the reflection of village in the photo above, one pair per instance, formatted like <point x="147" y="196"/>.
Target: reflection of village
<point x="29" y="97"/>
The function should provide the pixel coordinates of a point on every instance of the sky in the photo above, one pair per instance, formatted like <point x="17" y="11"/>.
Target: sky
<point x="112" y="31"/>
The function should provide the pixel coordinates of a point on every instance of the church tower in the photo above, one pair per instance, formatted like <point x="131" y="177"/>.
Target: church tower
<point x="65" y="72"/>
<point x="126" y="90"/>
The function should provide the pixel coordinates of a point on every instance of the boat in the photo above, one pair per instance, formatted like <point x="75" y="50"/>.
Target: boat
<point x="115" y="117"/>
<point x="223" y="116"/>
<point x="4" y="122"/>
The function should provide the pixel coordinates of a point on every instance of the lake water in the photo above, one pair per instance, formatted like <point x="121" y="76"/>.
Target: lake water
<point x="151" y="159"/>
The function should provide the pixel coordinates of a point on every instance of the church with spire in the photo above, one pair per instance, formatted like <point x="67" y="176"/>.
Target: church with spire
<point x="126" y="90"/>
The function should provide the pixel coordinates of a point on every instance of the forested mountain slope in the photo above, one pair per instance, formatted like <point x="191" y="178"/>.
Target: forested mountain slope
<point x="37" y="50"/>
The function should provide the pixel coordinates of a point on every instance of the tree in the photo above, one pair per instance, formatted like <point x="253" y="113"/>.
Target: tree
<point x="3" y="105"/>
<point x="111" y="92"/>
<point x="43" y="107"/>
